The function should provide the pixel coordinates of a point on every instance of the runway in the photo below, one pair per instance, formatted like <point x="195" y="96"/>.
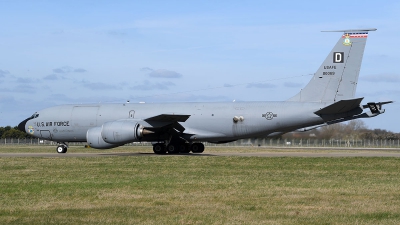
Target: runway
<point x="253" y="154"/>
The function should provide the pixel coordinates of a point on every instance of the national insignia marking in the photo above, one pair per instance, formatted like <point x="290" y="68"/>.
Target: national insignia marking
<point x="269" y="115"/>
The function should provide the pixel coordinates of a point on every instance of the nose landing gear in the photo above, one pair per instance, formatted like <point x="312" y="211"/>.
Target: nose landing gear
<point x="62" y="148"/>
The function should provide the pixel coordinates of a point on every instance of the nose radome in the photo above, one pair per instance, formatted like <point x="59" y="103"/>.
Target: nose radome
<point x="21" y="126"/>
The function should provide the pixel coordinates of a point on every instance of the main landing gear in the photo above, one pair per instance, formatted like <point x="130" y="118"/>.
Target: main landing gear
<point x="62" y="148"/>
<point x="172" y="148"/>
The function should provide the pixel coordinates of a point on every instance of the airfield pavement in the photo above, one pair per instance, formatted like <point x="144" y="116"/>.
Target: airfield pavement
<point x="252" y="154"/>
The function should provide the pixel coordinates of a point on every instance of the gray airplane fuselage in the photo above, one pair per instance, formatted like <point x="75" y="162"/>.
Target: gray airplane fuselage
<point x="207" y="121"/>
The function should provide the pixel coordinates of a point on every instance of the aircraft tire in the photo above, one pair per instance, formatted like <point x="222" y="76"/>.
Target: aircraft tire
<point x="173" y="149"/>
<point x="197" y="148"/>
<point x="159" y="148"/>
<point x="61" y="149"/>
<point x="184" y="148"/>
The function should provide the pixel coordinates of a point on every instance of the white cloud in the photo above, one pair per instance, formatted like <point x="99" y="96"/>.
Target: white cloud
<point x="228" y="85"/>
<point x="51" y="77"/>
<point x="64" y="69"/>
<point x="146" y="69"/>
<point x="98" y="86"/>
<point x="3" y="73"/>
<point x="68" y="69"/>
<point x="79" y="70"/>
<point x="26" y="80"/>
<point x="161" y="73"/>
<point x="147" y="85"/>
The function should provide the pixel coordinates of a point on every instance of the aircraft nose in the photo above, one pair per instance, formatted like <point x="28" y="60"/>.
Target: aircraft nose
<point x="21" y="126"/>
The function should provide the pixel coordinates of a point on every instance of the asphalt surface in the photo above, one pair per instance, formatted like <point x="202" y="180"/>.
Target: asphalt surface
<point x="253" y="154"/>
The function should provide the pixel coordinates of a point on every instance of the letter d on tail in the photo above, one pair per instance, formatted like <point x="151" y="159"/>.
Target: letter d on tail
<point x="338" y="57"/>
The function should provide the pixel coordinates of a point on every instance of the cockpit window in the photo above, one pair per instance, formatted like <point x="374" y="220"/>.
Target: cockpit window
<point x="35" y="115"/>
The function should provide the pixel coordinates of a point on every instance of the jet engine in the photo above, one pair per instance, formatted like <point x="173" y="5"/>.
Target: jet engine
<point x="121" y="132"/>
<point x="94" y="139"/>
<point x="115" y="133"/>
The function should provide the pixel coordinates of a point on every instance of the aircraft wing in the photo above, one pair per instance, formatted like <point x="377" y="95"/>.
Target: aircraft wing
<point x="165" y="121"/>
<point x="168" y="118"/>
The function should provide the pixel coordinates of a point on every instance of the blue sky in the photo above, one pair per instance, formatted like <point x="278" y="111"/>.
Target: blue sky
<point x="61" y="52"/>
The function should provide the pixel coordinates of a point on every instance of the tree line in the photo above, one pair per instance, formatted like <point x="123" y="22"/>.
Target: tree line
<point x="355" y="129"/>
<point x="13" y="132"/>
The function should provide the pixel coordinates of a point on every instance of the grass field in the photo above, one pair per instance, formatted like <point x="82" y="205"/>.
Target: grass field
<point x="198" y="190"/>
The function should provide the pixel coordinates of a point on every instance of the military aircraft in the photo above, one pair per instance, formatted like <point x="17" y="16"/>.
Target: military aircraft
<point x="182" y="127"/>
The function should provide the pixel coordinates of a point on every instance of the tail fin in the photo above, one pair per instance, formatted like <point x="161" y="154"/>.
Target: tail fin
<point x="337" y="77"/>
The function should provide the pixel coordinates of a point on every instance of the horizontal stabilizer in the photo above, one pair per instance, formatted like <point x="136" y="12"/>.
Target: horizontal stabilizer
<point x="341" y="106"/>
<point x="352" y="30"/>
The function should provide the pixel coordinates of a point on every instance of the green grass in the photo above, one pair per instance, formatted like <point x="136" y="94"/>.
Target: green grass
<point x="199" y="190"/>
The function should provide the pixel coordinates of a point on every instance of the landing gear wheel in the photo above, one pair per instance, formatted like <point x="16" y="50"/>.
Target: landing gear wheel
<point x="197" y="148"/>
<point x="172" y="149"/>
<point x="62" y="149"/>
<point x="159" y="148"/>
<point x="184" y="148"/>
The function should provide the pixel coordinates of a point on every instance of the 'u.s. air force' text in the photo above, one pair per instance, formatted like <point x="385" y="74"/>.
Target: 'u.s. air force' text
<point x="51" y="124"/>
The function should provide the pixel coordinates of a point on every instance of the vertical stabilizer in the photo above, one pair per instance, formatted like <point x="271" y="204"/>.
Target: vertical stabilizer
<point x="337" y="77"/>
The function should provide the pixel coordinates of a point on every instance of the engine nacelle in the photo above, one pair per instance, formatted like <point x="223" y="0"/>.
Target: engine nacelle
<point x="94" y="139"/>
<point x="121" y="132"/>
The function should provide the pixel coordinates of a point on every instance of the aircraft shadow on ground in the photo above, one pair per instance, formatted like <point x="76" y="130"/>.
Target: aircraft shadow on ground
<point x="153" y="154"/>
